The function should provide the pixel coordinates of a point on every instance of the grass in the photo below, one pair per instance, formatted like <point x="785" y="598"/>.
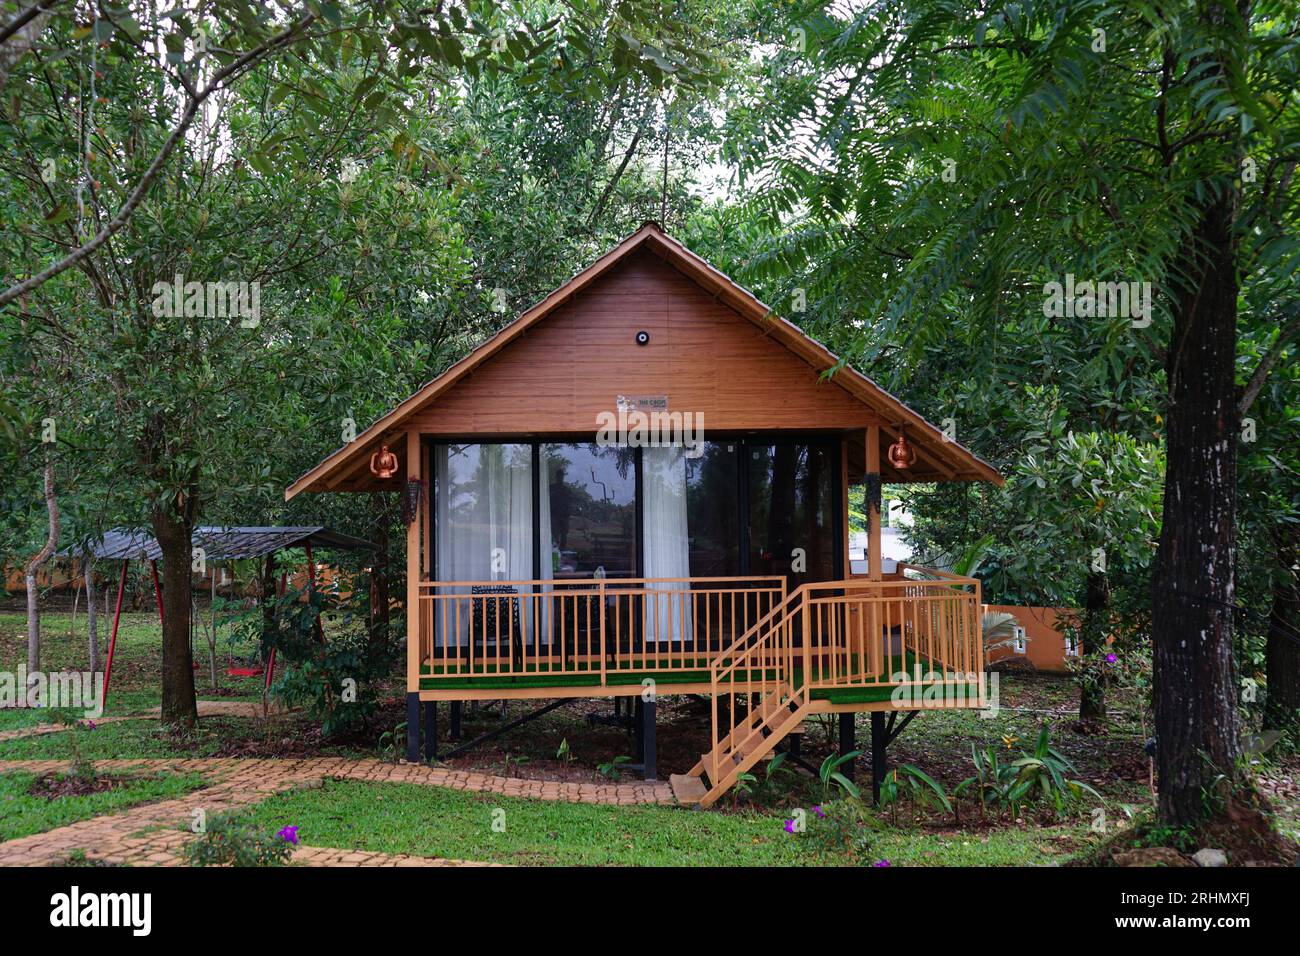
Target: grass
<point x="135" y="684"/>
<point x="433" y="822"/>
<point x="22" y="814"/>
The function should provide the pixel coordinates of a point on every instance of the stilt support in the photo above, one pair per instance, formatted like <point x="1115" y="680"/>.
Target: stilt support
<point x="455" y="720"/>
<point x="431" y="730"/>
<point x="412" y="728"/>
<point x="649" y="750"/>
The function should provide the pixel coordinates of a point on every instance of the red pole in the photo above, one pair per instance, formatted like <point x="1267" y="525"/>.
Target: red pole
<point x="157" y="590"/>
<point x="112" y="640"/>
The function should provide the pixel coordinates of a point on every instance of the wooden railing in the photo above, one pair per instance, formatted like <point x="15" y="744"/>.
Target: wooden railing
<point x="586" y="628"/>
<point x="919" y="637"/>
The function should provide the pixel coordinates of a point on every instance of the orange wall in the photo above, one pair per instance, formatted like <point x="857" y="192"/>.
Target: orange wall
<point x="1044" y="627"/>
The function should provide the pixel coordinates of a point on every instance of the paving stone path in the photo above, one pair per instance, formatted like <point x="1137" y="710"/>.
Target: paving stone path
<point x="153" y="834"/>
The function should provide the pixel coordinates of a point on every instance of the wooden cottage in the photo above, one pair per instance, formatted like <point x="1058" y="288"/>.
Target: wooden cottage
<point x="639" y="487"/>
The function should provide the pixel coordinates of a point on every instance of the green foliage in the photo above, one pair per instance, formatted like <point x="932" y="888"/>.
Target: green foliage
<point x="392" y="743"/>
<point x="232" y="840"/>
<point x="335" y="663"/>
<point x="843" y="826"/>
<point x="921" y="790"/>
<point x="1010" y="785"/>
<point x="829" y="773"/>
<point x="613" y="769"/>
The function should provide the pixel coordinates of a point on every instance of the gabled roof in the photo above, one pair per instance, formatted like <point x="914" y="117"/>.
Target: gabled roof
<point x="946" y="460"/>
<point x="221" y="544"/>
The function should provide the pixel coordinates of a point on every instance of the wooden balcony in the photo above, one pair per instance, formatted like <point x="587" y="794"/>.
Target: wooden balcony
<point x="842" y="644"/>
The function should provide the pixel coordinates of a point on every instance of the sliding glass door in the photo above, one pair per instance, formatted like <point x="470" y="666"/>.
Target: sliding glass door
<point x="569" y="512"/>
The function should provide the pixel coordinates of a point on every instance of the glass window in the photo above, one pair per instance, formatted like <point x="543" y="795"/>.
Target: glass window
<point x="484" y="502"/>
<point x="713" y="510"/>
<point x="588" y="517"/>
<point x="791" y="515"/>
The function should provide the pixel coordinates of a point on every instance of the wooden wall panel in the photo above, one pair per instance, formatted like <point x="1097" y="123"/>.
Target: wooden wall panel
<point x="702" y="355"/>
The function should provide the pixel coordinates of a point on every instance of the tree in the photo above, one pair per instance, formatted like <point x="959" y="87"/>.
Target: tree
<point x="963" y="159"/>
<point x="222" y="325"/>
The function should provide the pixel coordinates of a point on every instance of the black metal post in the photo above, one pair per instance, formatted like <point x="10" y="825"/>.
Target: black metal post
<point x="413" y="728"/>
<point x="878" y="744"/>
<point x="455" y="720"/>
<point x="848" y="739"/>
<point x="431" y="730"/>
<point x="649" y="757"/>
<point x="638" y="725"/>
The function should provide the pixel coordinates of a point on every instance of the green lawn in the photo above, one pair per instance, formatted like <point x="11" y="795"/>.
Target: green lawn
<point x="22" y="814"/>
<point x="135" y="683"/>
<point x="430" y="821"/>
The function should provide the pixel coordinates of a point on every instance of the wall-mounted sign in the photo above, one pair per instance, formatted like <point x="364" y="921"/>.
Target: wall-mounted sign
<point x="642" y="403"/>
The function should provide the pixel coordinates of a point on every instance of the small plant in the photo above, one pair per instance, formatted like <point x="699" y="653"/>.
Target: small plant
<point x="743" y="787"/>
<point x="392" y="743"/>
<point x="78" y="858"/>
<point x="842" y="826"/>
<point x="614" y="769"/>
<point x="1040" y="775"/>
<point x="81" y="766"/>
<point x="564" y="753"/>
<point x="232" y="841"/>
<point x="920" y="788"/>
<point x="829" y="773"/>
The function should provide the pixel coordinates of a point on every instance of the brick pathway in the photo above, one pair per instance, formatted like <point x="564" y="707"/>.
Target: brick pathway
<point x="152" y="835"/>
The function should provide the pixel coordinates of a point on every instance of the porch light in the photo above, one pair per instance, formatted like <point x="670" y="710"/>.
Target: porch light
<point x="901" y="455"/>
<point x="383" y="463"/>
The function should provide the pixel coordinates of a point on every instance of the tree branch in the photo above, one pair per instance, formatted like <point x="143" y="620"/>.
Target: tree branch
<point x="1266" y="364"/>
<point x="196" y="99"/>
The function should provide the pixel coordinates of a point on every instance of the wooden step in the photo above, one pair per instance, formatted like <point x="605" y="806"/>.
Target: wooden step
<point x="687" y="791"/>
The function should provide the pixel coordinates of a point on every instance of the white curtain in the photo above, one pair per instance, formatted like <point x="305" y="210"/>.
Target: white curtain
<point x="484" y="512"/>
<point x="667" y="543"/>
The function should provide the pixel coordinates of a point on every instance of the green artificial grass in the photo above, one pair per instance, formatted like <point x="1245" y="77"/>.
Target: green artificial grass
<point x="22" y="814"/>
<point x="484" y="677"/>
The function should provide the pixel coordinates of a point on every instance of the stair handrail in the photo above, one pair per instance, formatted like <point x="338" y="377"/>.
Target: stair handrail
<point x="776" y="609"/>
<point x="758" y="638"/>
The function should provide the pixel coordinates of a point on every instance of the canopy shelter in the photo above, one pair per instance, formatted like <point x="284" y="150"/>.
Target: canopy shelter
<point x="217" y="544"/>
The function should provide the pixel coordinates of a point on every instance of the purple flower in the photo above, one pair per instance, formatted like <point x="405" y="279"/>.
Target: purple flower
<point x="789" y="826"/>
<point x="819" y="813"/>
<point x="90" y="725"/>
<point x="881" y="863"/>
<point x="289" y="835"/>
<point x="1111" y="658"/>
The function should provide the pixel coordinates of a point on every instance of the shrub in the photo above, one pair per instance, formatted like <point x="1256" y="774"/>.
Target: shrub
<point x="337" y="679"/>
<point x="232" y="841"/>
<point x="842" y="826"/>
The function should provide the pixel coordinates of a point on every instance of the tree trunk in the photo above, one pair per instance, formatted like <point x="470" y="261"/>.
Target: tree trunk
<point x="1282" y="661"/>
<point x="51" y="542"/>
<point x="92" y="624"/>
<point x="1195" y="684"/>
<point x="172" y="527"/>
<point x="1092" y="681"/>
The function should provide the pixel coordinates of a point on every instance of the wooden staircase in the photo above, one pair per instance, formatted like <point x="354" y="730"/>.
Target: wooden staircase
<point x="828" y="636"/>
<point x="760" y="663"/>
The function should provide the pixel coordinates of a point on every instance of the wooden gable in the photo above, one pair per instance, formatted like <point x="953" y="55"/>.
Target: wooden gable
<point x="702" y="356"/>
